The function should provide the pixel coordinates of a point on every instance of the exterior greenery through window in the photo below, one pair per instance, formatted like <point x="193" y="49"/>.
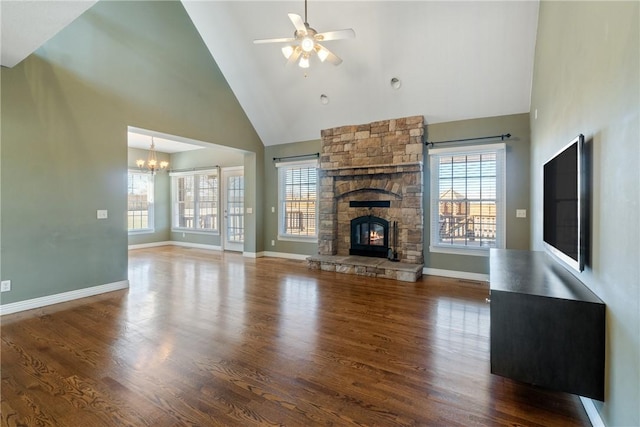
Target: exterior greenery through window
<point x="140" y="202"/>
<point x="467" y="198"/>
<point x="298" y="188"/>
<point x="195" y="200"/>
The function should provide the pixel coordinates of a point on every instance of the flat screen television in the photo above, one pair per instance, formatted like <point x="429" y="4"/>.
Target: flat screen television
<point x="565" y="205"/>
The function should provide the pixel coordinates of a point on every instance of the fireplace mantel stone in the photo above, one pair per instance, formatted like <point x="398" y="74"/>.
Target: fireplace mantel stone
<point x="374" y="169"/>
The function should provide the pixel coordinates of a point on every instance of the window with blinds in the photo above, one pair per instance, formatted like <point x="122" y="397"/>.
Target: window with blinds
<point x="298" y="192"/>
<point x="140" y="202"/>
<point x="195" y="201"/>
<point x="467" y="199"/>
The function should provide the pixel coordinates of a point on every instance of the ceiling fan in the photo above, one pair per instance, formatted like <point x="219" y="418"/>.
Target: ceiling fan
<point x="306" y="42"/>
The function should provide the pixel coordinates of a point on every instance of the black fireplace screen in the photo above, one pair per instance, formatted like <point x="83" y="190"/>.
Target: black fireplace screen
<point x="369" y="236"/>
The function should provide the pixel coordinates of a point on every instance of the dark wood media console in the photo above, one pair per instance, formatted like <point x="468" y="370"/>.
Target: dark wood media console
<point x="547" y="328"/>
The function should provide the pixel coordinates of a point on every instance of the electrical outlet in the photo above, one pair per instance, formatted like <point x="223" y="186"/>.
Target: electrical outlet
<point x="273" y="209"/>
<point x="273" y="243"/>
<point x="5" y="286"/>
<point x="103" y="214"/>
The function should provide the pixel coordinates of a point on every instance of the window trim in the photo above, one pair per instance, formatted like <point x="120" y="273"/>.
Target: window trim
<point x="150" y="205"/>
<point x="174" y="200"/>
<point x="501" y="205"/>
<point x="281" y="170"/>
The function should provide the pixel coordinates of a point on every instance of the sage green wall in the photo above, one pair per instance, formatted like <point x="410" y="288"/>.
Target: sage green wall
<point x="271" y="197"/>
<point x="161" y="200"/>
<point x="517" y="184"/>
<point x="65" y="112"/>
<point x="587" y="80"/>
<point x="207" y="157"/>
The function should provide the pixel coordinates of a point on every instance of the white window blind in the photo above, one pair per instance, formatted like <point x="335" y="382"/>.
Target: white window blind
<point x="467" y="199"/>
<point x="297" y="194"/>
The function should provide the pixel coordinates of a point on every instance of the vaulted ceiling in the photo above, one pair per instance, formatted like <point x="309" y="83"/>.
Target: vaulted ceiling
<point x="455" y="59"/>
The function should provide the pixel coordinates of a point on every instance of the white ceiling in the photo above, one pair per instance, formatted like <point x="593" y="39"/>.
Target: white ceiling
<point x="140" y="138"/>
<point x="27" y="25"/>
<point x="456" y="59"/>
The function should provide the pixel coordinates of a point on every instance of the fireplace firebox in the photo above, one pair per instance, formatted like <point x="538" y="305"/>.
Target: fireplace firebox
<point x="369" y="236"/>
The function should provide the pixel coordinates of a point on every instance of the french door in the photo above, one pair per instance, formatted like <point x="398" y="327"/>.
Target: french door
<point x="233" y="205"/>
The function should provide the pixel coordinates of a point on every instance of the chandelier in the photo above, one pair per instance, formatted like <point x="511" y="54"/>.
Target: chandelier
<point x="152" y="163"/>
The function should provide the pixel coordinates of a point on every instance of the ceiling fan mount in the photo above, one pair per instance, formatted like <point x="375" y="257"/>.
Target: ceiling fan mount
<point x="305" y="42"/>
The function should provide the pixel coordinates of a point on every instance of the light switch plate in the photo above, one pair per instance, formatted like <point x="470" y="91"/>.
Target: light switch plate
<point x="521" y="213"/>
<point x="103" y="214"/>
<point x="249" y="210"/>
<point x="6" y="286"/>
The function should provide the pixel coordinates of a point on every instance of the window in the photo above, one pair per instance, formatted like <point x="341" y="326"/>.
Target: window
<point x="140" y="202"/>
<point x="297" y="195"/>
<point x="467" y="199"/>
<point x="195" y="201"/>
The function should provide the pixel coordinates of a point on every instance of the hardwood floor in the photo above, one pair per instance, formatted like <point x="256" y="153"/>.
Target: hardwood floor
<point x="203" y="338"/>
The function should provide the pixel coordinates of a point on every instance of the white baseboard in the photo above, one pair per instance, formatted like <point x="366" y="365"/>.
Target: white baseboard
<point x="150" y="245"/>
<point x="176" y="243"/>
<point x="285" y="255"/>
<point x="456" y="274"/>
<point x="30" y="304"/>
<point x="592" y="412"/>
<point x="219" y="248"/>
<point x="196" y="245"/>
<point x="253" y="254"/>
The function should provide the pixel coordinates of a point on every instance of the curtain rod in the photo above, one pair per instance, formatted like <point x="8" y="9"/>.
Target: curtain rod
<point x="503" y="136"/>
<point x="301" y="156"/>
<point x="200" y="168"/>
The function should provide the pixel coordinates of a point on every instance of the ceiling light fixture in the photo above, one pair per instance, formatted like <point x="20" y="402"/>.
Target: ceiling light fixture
<point x="323" y="53"/>
<point x="287" y="51"/>
<point x="152" y="160"/>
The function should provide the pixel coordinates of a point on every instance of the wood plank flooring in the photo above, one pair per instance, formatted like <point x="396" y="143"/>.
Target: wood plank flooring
<point x="204" y="338"/>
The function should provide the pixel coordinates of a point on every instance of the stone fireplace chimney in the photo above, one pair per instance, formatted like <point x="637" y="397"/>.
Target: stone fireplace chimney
<point x="380" y="161"/>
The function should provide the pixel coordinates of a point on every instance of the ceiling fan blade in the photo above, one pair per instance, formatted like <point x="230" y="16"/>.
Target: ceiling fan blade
<point x="294" y="56"/>
<point x="281" y="40"/>
<point x="328" y="55"/>
<point x="298" y="22"/>
<point x="336" y="35"/>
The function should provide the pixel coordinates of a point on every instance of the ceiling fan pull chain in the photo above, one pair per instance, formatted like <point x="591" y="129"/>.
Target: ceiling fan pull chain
<point x="305" y="12"/>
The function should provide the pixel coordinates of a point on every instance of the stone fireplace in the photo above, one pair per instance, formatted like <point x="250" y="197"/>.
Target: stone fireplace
<point x="373" y="170"/>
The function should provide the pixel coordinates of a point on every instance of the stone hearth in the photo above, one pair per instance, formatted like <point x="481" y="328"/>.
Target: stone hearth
<point x="379" y="161"/>
<point x="367" y="266"/>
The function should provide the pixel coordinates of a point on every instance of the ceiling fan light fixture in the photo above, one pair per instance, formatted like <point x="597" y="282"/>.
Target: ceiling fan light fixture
<point x="322" y="53"/>
<point x="304" y="61"/>
<point x="287" y="51"/>
<point x="307" y="44"/>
